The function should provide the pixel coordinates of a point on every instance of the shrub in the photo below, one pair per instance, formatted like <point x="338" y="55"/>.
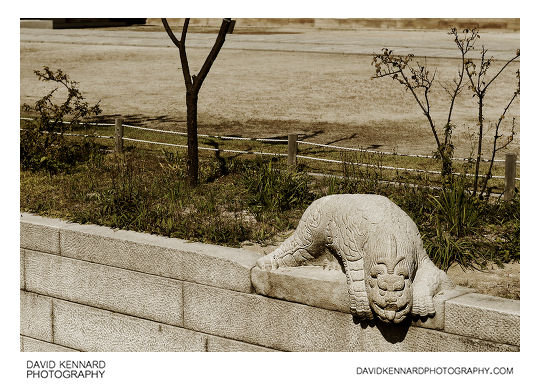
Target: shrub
<point x="457" y="210"/>
<point x="45" y="151"/>
<point x="445" y="250"/>
<point x="274" y="189"/>
<point x="43" y="146"/>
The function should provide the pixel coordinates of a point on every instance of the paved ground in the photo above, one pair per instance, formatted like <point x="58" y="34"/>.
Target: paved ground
<point x="365" y="42"/>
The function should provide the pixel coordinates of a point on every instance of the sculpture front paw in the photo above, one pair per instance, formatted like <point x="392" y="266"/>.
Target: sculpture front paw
<point x="422" y="303"/>
<point x="267" y="262"/>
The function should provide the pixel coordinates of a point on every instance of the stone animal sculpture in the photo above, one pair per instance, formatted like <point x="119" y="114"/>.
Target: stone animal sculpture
<point x="379" y="246"/>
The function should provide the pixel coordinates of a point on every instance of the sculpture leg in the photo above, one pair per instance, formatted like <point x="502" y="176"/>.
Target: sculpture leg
<point x="306" y="243"/>
<point x="428" y="281"/>
<point x="294" y="251"/>
<point x="354" y="270"/>
<point x="353" y="264"/>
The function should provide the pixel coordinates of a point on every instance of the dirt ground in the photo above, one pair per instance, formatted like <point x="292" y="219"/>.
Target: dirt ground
<point x="501" y="282"/>
<point x="330" y="98"/>
<point x="327" y="97"/>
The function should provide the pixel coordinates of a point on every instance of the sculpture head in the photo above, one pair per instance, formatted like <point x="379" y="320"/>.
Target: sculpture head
<point x="389" y="276"/>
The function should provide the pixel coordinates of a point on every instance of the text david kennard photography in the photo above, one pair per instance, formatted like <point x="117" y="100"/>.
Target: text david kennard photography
<point x="65" y="369"/>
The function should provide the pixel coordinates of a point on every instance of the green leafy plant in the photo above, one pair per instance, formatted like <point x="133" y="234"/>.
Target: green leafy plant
<point x="357" y="177"/>
<point x="45" y="151"/>
<point x="43" y="146"/>
<point x="445" y="250"/>
<point x="125" y="196"/>
<point x="50" y="115"/>
<point x="274" y="189"/>
<point x="457" y="210"/>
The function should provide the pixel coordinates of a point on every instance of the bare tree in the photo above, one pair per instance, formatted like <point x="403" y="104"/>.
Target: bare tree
<point x="193" y="85"/>
<point x="417" y="79"/>
<point x="479" y="84"/>
<point x="465" y="44"/>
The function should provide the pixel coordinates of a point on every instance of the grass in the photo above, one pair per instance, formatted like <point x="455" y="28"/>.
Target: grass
<point x="146" y="191"/>
<point x="252" y="199"/>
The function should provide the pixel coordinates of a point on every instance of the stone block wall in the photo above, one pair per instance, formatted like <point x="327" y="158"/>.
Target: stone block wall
<point x="92" y="288"/>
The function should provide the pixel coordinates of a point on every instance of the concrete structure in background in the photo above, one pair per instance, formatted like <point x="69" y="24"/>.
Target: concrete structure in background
<point x="92" y="288"/>
<point x="286" y="23"/>
<point x="78" y="23"/>
<point x="355" y="23"/>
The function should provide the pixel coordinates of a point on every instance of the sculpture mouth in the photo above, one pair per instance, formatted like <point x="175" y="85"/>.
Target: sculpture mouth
<point x="392" y="313"/>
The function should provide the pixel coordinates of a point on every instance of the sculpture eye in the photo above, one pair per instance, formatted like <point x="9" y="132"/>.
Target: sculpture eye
<point x="378" y="270"/>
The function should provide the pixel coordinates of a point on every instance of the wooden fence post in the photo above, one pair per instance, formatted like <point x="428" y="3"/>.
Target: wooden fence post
<point x="509" y="176"/>
<point x="293" y="149"/>
<point x="119" y="135"/>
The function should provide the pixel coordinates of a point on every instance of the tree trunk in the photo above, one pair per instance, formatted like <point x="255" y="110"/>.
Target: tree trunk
<point x="193" y="150"/>
<point x="480" y="137"/>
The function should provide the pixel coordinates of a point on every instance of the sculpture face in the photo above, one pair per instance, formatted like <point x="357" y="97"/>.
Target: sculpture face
<point x="389" y="280"/>
<point x="389" y="292"/>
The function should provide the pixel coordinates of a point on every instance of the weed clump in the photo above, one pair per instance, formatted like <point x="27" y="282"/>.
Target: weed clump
<point x="275" y="189"/>
<point x="42" y="143"/>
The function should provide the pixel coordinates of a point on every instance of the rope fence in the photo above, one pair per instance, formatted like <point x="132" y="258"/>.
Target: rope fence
<point x="387" y="152"/>
<point x="292" y="149"/>
<point x="204" y="148"/>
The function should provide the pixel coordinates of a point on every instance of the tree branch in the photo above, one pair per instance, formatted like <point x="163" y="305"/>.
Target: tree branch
<point x="502" y="69"/>
<point x="170" y="33"/>
<point x="496" y="137"/>
<point x="181" y="44"/>
<point x="220" y="39"/>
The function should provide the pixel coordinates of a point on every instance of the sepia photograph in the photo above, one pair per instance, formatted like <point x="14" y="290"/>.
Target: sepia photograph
<point x="270" y="184"/>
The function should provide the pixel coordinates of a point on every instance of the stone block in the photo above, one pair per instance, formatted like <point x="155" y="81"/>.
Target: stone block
<point x="439" y="300"/>
<point x="311" y="285"/>
<point x="32" y="345"/>
<point x="40" y="233"/>
<point x="485" y="317"/>
<point x="21" y="270"/>
<point x="208" y="264"/>
<point x="36" y="316"/>
<point x="124" y="291"/>
<point x="218" y="344"/>
<point x="91" y="329"/>
<point x="288" y="326"/>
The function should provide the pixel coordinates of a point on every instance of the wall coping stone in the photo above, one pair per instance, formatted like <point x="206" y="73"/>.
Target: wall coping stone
<point x="484" y="316"/>
<point x="207" y="264"/>
<point x="47" y="239"/>
<point x="310" y="285"/>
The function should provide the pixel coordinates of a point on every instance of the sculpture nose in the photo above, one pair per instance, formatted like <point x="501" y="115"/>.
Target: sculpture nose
<point x="391" y="282"/>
